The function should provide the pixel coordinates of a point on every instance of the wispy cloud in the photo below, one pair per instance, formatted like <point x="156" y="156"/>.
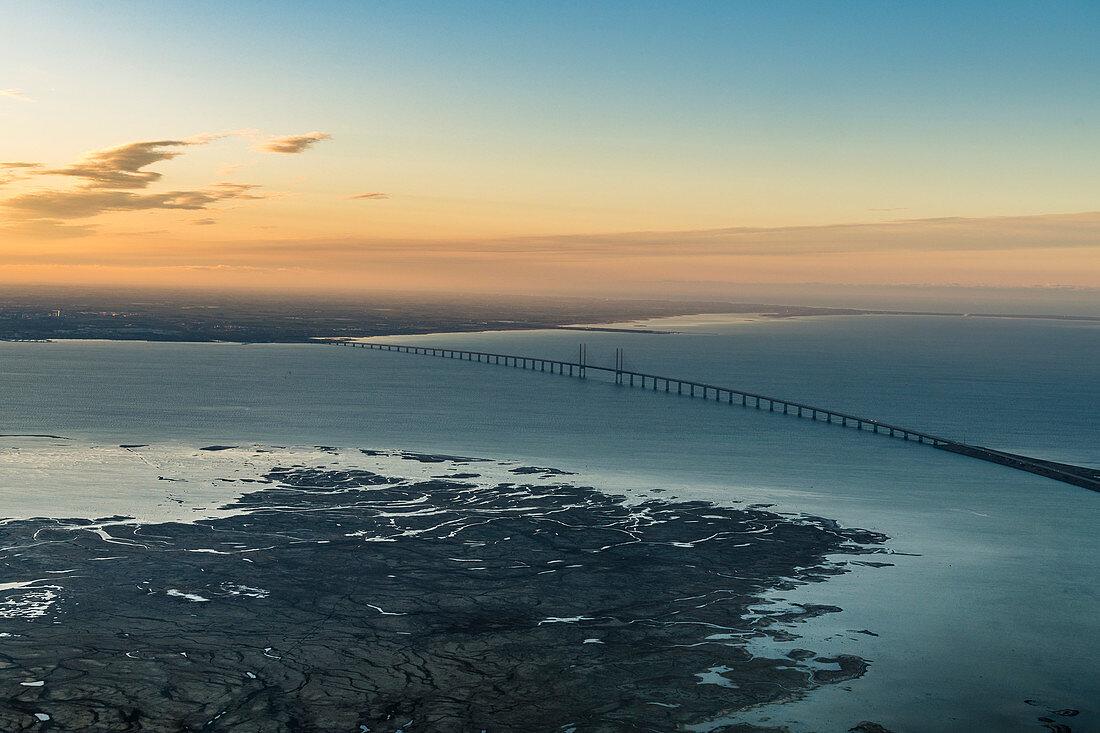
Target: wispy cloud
<point x="1039" y="232"/>
<point x="16" y="171"/>
<point x="85" y="202"/>
<point x="291" y="143"/>
<point x="928" y="235"/>
<point x="48" y="228"/>
<point x="242" y="191"/>
<point x="204" y="222"/>
<point x="369" y="196"/>
<point x="16" y="94"/>
<point x="111" y="180"/>
<point x="121" y="167"/>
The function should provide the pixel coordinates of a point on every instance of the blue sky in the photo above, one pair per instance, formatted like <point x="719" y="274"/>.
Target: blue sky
<point x="495" y="119"/>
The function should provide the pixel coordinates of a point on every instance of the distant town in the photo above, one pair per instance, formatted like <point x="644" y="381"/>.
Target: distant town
<point x="149" y="316"/>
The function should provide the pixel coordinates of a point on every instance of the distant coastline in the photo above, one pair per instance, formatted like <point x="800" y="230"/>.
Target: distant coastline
<point x="179" y="318"/>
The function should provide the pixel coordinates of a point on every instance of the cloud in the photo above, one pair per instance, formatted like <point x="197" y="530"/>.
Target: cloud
<point x="209" y="137"/>
<point x="238" y="191"/>
<point x="16" y="171"/>
<point x="291" y="143"/>
<point x="16" y="94"/>
<point x="141" y="233"/>
<point x="117" y="179"/>
<point x="916" y="236"/>
<point x="121" y="167"/>
<point x="51" y="228"/>
<point x="962" y="234"/>
<point x="372" y="195"/>
<point x="85" y="202"/>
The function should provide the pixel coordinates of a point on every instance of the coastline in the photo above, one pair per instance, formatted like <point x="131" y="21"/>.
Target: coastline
<point x="319" y="583"/>
<point x="616" y="325"/>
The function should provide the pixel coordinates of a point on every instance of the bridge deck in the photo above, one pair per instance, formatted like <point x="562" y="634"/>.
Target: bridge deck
<point x="1076" y="475"/>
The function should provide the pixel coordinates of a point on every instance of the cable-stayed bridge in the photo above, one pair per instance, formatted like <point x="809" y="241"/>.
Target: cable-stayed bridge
<point x="1083" y="476"/>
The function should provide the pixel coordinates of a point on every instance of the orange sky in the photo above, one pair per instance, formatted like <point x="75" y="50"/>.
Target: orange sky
<point x="422" y="157"/>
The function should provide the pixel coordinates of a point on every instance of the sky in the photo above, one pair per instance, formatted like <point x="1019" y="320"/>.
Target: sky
<point x="570" y="147"/>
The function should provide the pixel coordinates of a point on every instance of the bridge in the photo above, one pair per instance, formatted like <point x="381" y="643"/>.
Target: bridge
<point x="1083" y="476"/>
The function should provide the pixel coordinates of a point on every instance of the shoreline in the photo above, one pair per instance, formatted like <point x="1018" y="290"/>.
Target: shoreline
<point x="208" y="617"/>
<point x="598" y="327"/>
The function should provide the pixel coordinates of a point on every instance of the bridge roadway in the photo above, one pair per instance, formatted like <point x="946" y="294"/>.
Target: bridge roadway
<point x="1077" y="475"/>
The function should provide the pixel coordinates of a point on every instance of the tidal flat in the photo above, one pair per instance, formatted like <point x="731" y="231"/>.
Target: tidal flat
<point x="339" y="599"/>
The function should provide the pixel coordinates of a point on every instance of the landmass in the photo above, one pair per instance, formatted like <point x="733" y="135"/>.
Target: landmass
<point x="292" y="318"/>
<point x="349" y="600"/>
<point x="33" y="315"/>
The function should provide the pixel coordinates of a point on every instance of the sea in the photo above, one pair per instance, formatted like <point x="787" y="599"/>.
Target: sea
<point x="985" y="618"/>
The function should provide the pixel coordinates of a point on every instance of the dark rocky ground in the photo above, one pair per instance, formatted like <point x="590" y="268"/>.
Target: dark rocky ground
<point x="343" y="601"/>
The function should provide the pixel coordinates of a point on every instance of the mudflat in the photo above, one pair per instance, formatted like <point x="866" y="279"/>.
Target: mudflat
<point x="349" y="600"/>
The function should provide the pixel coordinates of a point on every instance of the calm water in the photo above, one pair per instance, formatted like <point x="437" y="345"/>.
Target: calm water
<point x="992" y="598"/>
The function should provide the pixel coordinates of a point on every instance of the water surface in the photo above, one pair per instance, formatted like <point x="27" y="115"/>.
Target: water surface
<point x="990" y="601"/>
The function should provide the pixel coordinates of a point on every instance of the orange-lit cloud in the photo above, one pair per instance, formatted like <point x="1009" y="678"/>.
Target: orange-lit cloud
<point x="16" y="94"/>
<point x="291" y="143"/>
<point x="934" y="234"/>
<point x="16" y="171"/>
<point x="47" y="229"/>
<point x="369" y="196"/>
<point x="108" y="180"/>
<point x="85" y="202"/>
<point x="121" y="167"/>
